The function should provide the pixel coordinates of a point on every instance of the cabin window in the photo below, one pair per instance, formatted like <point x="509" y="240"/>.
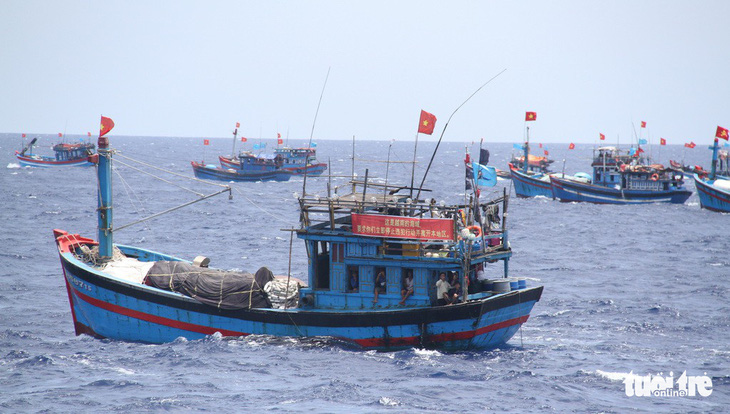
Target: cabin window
<point x="353" y="279"/>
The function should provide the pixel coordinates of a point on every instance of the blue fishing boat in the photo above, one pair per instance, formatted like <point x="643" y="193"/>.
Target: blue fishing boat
<point x="297" y="161"/>
<point x="375" y="264"/>
<point x="66" y="155"/>
<point x="620" y="178"/>
<point x="530" y="184"/>
<point x="714" y="190"/>
<point x="531" y="178"/>
<point x="250" y="168"/>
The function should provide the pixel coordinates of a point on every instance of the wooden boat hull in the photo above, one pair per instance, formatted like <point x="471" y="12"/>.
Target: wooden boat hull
<point x="48" y="162"/>
<point x="712" y="198"/>
<point x="527" y="186"/>
<point x="568" y="191"/>
<point x="313" y="169"/>
<point x="108" y="307"/>
<point x="216" y="173"/>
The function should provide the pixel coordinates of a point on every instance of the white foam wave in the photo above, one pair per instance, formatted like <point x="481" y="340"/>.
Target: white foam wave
<point x="13" y="165"/>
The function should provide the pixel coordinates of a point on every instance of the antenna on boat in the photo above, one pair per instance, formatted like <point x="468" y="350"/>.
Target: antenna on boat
<point x="353" y="164"/>
<point x="420" y="187"/>
<point x="526" y="161"/>
<point x="387" y="169"/>
<point x="311" y="134"/>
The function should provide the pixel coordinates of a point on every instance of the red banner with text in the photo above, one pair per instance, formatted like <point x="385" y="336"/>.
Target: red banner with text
<point x="402" y="227"/>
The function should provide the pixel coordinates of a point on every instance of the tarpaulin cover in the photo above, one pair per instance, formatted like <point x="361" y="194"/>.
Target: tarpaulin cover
<point x="222" y="289"/>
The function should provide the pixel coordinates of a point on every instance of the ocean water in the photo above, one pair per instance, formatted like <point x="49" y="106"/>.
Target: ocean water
<point x="628" y="290"/>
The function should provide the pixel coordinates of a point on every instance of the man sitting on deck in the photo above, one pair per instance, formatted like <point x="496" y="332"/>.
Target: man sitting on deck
<point x="407" y="287"/>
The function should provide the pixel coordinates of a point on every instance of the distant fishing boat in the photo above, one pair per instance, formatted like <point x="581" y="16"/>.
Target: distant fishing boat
<point x="530" y="179"/>
<point x="252" y="168"/>
<point x="714" y="189"/>
<point x="375" y="263"/>
<point x="620" y="178"/>
<point x="295" y="160"/>
<point x="67" y="155"/>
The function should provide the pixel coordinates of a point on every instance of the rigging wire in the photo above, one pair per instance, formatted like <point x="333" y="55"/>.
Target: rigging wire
<point x="161" y="179"/>
<point x="170" y="172"/>
<point x="280" y="218"/>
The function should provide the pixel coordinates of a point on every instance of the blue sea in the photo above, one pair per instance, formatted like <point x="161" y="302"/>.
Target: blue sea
<point x="629" y="290"/>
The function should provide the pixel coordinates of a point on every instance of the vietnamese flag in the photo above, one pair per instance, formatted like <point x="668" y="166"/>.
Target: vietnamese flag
<point x="279" y="141"/>
<point x="238" y="124"/>
<point x="571" y="146"/>
<point x="243" y="139"/>
<point x="602" y="137"/>
<point x="530" y="116"/>
<point x="60" y="135"/>
<point x="662" y="141"/>
<point x="690" y="145"/>
<point x="106" y="125"/>
<point x="722" y="133"/>
<point x="427" y="123"/>
<point x="643" y="124"/>
<point x="23" y="135"/>
<point x="546" y="153"/>
<point x="88" y="134"/>
<point x="206" y="142"/>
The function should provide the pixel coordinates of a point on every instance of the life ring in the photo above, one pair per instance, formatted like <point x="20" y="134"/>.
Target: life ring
<point x="475" y="229"/>
<point x="654" y="177"/>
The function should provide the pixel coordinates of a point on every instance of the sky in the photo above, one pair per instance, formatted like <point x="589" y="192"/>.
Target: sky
<point x="195" y="68"/>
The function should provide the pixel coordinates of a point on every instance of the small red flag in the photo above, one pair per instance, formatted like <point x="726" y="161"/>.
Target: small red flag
<point x="60" y="135"/>
<point x="238" y="124"/>
<point x="23" y="135"/>
<point x="427" y="123"/>
<point x="530" y="116"/>
<point x="722" y="133"/>
<point x="243" y="139"/>
<point x="546" y="152"/>
<point x="206" y="142"/>
<point x="571" y="146"/>
<point x="690" y="145"/>
<point x="106" y="125"/>
<point x="541" y="145"/>
<point x="278" y="135"/>
<point x="662" y="141"/>
<point x="88" y="134"/>
<point x="639" y="151"/>
<point x="643" y="124"/>
<point x="602" y="137"/>
<point x="279" y="141"/>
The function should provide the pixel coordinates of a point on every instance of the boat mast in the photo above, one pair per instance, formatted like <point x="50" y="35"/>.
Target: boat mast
<point x="527" y="151"/>
<point x="233" y="149"/>
<point x="104" y="174"/>
<point x="715" y="147"/>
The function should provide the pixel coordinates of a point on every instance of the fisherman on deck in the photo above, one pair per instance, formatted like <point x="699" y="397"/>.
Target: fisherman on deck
<point x="407" y="287"/>
<point x="442" y="290"/>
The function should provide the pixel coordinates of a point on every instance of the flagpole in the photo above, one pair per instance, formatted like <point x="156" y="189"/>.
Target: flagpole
<point x="420" y="187"/>
<point x="413" y="167"/>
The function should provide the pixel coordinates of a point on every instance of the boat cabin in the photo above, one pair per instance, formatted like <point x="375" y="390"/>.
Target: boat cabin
<point x="67" y="152"/>
<point x="354" y="240"/>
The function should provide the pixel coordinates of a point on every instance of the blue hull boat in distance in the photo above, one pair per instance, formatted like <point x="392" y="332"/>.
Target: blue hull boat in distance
<point x="531" y="184"/>
<point x="213" y="172"/>
<point x="714" y="190"/>
<point x="375" y="263"/>
<point x="621" y="179"/>
<point x="66" y="155"/>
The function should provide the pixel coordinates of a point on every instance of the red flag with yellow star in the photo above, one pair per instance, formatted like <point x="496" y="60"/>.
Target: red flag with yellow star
<point x="106" y="125"/>
<point x="662" y="141"/>
<point x="530" y="116"/>
<point x="722" y="133"/>
<point x="602" y="137"/>
<point x="571" y="146"/>
<point x="643" y="124"/>
<point x="206" y="142"/>
<point x="427" y="123"/>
